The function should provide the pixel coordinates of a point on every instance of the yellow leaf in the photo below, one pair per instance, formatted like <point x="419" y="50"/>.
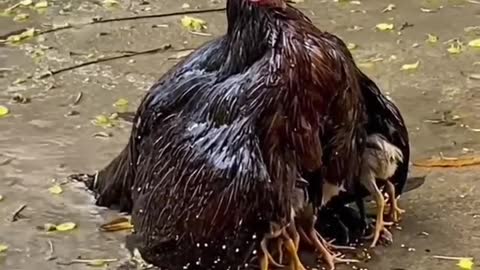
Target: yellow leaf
<point x="413" y="66"/>
<point x="103" y="121"/>
<point x="194" y="24"/>
<point x="110" y="3"/>
<point x="41" y="4"/>
<point x="29" y="33"/>
<point x="474" y="43"/>
<point x="56" y="189"/>
<point x="4" y="111"/>
<point x="3" y="248"/>
<point x="21" y="17"/>
<point x="385" y="26"/>
<point x="26" y="3"/>
<point x="67" y="226"/>
<point x="466" y="264"/>
<point x="352" y="46"/>
<point x="432" y="38"/>
<point x="121" y="104"/>
<point x="455" y="48"/>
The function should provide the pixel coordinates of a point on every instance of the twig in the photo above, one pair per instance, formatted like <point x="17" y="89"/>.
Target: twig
<point x="101" y="60"/>
<point x="17" y="214"/>
<point x="50" y="251"/>
<point x="120" y="19"/>
<point x="448" y="258"/>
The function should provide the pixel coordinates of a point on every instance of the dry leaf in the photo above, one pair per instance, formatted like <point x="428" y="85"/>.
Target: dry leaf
<point x="385" y="26"/>
<point x="432" y="38"/>
<point x="455" y="48"/>
<point x="119" y="224"/>
<point x="352" y="46"/>
<point x="3" y="248"/>
<point x="4" y="111"/>
<point x="181" y="54"/>
<point x="21" y="17"/>
<point x="466" y="264"/>
<point x="390" y="7"/>
<point x="41" y="4"/>
<point x="110" y="3"/>
<point x="194" y="24"/>
<point x="448" y="162"/>
<point x="67" y="226"/>
<point x="29" y="33"/>
<point x="474" y="43"/>
<point x="413" y="66"/>
<point x="56" y="189"/>
<point x="103" y="121"/>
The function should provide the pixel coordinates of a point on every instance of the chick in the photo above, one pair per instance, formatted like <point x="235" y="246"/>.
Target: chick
<point x="380" y="161"/>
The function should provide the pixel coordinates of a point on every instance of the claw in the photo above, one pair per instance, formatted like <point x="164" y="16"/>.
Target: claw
<point x="295" y="262"/>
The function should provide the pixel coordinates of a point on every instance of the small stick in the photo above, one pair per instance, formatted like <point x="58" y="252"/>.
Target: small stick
<point x="16" y="214"/>
<point x="50" y="252"/>
<point x="448" y="258"/>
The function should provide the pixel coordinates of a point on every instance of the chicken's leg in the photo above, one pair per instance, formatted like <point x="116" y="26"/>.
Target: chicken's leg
<point x="380" y="201"/>
<point x="267" y="258"/>
<point x="395" y="211"/>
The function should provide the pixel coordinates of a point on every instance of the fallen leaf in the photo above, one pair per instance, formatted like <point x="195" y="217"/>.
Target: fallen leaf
<point x="385" y="26"/>
<point x="194" y="24"/>
<point x="455" y="48"/>
<point x="110" y="3"/>
<point x="4" y="111"/>
<point x="118" y="224"/>
<point x="432" y="38"/>
<point x="466" y="264"/>
<point x="21" y="17"/>
<point x="48" y="227"/>
<point x="27" y="34"/>
<point x="56" y="189"/>
<point x="352" y="46"/>
<point x="390" y="7"/>
<point x="181" y="54"/>
<point x="103" y="121"/>
<point x="413" y="66"/>
<point x="474" y="43"/>
<point x="448" y="162"/>
<point x="121" y="104"/>
<point x="3" y="248"/>
<point x="41" y="4"/>
<point x="26" y="3"/>
<point x="67" y="226"/>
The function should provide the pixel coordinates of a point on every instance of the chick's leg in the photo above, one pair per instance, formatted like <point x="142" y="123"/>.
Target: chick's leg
<point x="395" y="211"/>
<point x="372" y="187"/>
<point x="295" y="262"/>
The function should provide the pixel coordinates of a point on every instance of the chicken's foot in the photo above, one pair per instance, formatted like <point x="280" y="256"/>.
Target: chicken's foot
<point x="292" y="250"/>
<point x="330" y="258"/>
<point x="395" y="211"/>
<point x="267" y="258"/>
<point x="380" y="224"/>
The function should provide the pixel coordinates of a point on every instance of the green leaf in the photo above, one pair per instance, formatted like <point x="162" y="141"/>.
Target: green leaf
<point x="3" y="248"/>
<point x="474" y="43"/>
<point x="103" y="121"/>
<point x="4" y="111"/>
<point x="56" y="189"/>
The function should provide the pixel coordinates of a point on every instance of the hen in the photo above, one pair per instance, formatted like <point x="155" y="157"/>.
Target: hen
<point x="217" y="144"/>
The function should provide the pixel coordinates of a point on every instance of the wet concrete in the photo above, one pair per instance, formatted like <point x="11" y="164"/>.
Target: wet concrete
<point x="38" y="143"/>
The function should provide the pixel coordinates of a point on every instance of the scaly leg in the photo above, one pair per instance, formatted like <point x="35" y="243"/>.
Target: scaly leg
<point x="380" y="201"/>
<point x="395" y="211"/>
<point x="295" y="262"/>
<point x="267" y="257"/>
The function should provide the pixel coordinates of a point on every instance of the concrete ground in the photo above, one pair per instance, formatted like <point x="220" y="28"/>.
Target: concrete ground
<point x="51" y="136"/>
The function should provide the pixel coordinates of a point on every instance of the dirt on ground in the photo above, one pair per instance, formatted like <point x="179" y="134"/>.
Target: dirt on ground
<point x="49" y="134"/>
